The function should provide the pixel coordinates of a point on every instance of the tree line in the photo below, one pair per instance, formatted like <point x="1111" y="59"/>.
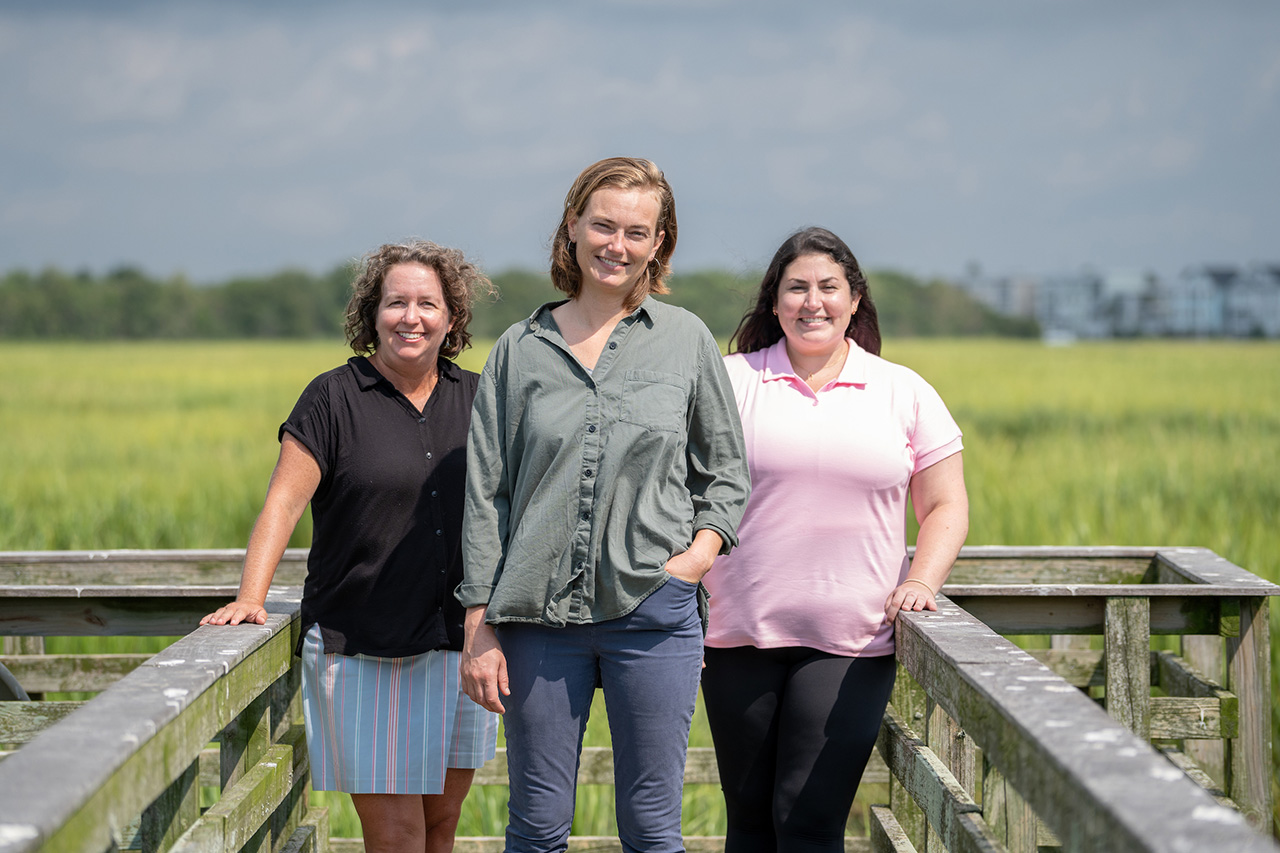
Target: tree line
<point x="126" y="303"/>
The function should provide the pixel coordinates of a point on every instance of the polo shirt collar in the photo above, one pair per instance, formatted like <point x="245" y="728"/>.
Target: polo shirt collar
<point x="777" y="364"/>
<point x="367" y="376"/>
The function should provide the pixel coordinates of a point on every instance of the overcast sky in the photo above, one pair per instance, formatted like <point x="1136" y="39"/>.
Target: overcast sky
<point x="216" y="138"/>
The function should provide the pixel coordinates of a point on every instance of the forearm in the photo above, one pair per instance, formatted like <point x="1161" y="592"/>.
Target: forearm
<point x="941" y="535"/>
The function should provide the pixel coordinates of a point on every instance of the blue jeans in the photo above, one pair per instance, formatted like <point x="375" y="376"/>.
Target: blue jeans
<point x="648" y="663"/>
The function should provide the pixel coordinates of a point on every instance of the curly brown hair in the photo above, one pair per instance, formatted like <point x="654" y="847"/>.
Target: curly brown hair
<point x="759" y="327"/>
<point x="624" y="173"/>
<point x="461" y="281"/>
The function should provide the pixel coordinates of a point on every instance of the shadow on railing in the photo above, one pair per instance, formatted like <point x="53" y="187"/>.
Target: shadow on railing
<point x="988" y="746"/>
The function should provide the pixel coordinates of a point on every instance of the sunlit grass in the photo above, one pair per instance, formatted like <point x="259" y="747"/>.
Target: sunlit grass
<point x="165" y="445"/>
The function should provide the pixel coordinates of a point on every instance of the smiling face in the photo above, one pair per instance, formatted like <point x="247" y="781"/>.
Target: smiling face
<point x="814" y="305"/>
<point x="412" y="317"/>
<point x="616" y="236"/>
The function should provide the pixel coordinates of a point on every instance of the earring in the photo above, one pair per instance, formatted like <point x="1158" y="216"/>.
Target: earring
<point x="572" y="247"/>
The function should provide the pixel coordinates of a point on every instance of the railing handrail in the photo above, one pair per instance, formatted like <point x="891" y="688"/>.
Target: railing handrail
<point x="1098" y="786"/>
<point x="78" y="784"/>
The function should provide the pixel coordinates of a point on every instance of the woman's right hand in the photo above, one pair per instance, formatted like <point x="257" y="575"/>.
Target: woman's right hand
<point x="484" y="666"/>
<point x="236" y="612"/>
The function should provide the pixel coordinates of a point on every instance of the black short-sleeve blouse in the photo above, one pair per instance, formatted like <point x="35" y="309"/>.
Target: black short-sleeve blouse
<point x="387" y="515"/>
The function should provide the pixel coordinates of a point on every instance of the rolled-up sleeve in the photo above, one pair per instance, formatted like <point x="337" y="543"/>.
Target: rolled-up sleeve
<point x="718" y="478"/>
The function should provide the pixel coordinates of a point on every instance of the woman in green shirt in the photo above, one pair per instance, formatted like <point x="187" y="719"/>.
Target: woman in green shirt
<point x="605" y="473"/>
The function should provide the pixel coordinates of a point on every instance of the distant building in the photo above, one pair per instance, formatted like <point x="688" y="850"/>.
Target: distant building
<point x="1203" y="301"/>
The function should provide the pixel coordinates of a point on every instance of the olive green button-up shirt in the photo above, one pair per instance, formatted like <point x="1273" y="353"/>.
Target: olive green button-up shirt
<point x="582" y="483"/>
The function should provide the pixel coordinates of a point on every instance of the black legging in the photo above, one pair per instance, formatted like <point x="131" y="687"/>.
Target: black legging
<point x="793" y="730"/>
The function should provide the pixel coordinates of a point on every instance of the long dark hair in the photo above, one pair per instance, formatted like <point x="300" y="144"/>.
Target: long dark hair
<point x="759" y="328"/>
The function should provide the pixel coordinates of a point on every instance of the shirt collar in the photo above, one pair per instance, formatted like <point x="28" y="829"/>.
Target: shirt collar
<point x="367" y="376"/>
<point x="777" y="364"/>
<point x="537" y="322"/>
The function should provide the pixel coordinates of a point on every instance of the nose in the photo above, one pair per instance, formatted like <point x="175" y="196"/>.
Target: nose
<point x="812" y="298"/>
<point x="410" y="312"/>
<point x="616" y="242"/>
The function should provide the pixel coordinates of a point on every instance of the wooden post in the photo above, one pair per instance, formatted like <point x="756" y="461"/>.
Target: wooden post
<point x="1248" y="756"/>
<point x="244" y="741"/>
<point x="166" y="819"/>
<point x="1127" y="637"/>
<point x="1006" y="812"/>
<point x="909" y="702"/>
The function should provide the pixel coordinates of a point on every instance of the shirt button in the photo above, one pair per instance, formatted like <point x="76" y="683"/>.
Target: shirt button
<point x="591" y="427"/>
<point x="428" y="454"/>
<point x="585" y="516"/>
<point x="613" y="344"/>
<point x="439" y="532"/>
<point x="422" y="420"/>
<point x="434" y="493"/>
<point x="587" y="473"/>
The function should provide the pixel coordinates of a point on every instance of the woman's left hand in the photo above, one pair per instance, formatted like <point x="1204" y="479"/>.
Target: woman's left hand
<point x="691" y="565"/>
<point x="909" y="595"/>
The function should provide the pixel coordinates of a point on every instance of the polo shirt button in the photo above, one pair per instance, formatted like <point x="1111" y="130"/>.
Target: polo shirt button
<point x="422" y="420"/>
<point x="434" y="493"/>
<point x="587" y="473"/>
<point x="428" y="454"/>
<point x="613" y="344"/>
<point x="439" y="532"/>
<point x="586" y="515"/>
<point x="591" y="427"/>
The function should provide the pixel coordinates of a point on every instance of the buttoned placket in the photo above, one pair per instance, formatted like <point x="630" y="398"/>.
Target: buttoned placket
<point x="582" y="579"/>
<point x="427" y="443"/>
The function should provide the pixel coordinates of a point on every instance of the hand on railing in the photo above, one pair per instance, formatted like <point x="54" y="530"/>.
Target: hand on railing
<point x="911" y="594"/>
<point x="236" y="612"/>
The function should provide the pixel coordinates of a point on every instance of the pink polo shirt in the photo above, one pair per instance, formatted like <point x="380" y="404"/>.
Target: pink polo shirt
<point x="823" y="540"/>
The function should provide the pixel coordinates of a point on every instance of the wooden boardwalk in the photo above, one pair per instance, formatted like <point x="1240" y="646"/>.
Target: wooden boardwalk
<point x="1096" y="743"/>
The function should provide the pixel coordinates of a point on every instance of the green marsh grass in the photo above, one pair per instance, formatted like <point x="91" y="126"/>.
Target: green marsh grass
<point x="168" y="445"/>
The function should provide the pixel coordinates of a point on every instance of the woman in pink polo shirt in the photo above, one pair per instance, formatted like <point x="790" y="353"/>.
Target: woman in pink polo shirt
<point x="799" y="657"/>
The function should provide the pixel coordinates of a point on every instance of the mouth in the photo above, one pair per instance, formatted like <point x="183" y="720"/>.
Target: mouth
<point x="411" y="336"/>
<point x="612" y="265"/>
<point x="814" y="321"/>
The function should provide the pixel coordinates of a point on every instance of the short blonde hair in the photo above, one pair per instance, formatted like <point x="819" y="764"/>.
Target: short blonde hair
<point x="626" y="173"/>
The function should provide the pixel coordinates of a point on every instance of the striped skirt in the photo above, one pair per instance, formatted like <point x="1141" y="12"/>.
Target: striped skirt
<point x="389" y="725"/>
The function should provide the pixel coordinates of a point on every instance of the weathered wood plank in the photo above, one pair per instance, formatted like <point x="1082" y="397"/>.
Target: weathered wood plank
<point x="908" y="706"/>
<point x="1073" y="764"/>
<point x="172" y="813"/>
<point x="1203" y="567"/>
<point x="20" y="722"/>
<point x="1011" y="820"/>
<point x="939" y="794"/>
<point x="1249" y="678"/>
<point x="1205" y="655"/>
<point x="67" y="673"/>
<point x="215" y="567"/>
<point x="1177" y="718"/>
<point x="1019" y="611"/>
<point x="887" y="835"/>
<point x="1127" y="647"/>
<point x="128" y="611"/>
<point x="76" y="787"/>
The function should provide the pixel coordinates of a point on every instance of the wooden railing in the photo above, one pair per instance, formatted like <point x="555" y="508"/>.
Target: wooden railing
<point x="986" y="746"/>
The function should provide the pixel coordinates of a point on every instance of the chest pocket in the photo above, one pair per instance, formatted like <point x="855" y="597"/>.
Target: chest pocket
<point x="655" y="400"/>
